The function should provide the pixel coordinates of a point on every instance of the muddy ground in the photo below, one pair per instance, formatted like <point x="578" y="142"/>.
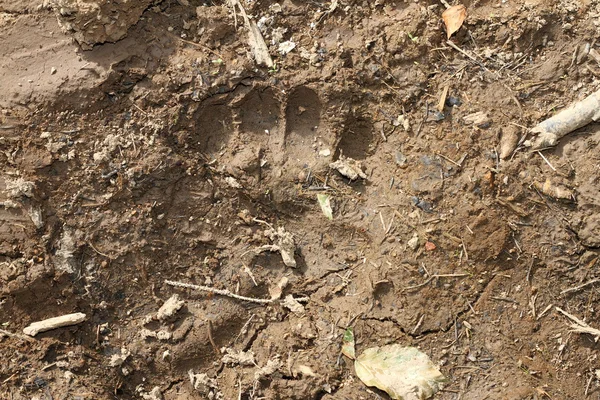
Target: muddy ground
<point x="142" y="143"/>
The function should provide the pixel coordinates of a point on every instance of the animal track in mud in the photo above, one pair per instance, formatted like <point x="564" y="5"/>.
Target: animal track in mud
<point x="356" y="138"/>
<point x="303" y="117"/>
<point x="259" y="113"/>
<point x="213" y="127"/>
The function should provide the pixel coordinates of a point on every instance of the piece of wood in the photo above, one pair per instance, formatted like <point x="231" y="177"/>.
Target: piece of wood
<point x="566" y="121"/>
<point x="53" y="323"/>
<point x="442" y="102"/>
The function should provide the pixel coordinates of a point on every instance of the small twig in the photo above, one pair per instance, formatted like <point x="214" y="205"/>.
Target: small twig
<point x="432" y="277"/>
<point x="389" y="228"/>
<point x="227" y="293"/>
<point x="528" y="276"/>
<point x="250" y="274"/>
<point x="221" y="292"/>
<point x="443" y="96"/>
<point x="544" y="312"/>
<point x="580" y="287"/>
<point x="418" y="324"/>
<point x="197" y="45"/>
<point x="580" y="326"/>
<point x="532" y="305"/>
<point x="260" y="221"/>
<point x="449" y="160"/>
<point x="419" y="285"/>
<point x="465" y="249"/>
<point x="507" y="299"/>
<point x="9" y="378"/>
<point x="469" y="56"/>
<point x="383" y="134"/>
<point x="48" y="366"/>
<point x="16" y="335"/>
<point x="212" y="341"/>
<point x="98" y="251"/>
<point x="547" y="162"/>
<point x="382" y="222"/>
<point x="244" y="328"/>
<point x="587" y="387"/>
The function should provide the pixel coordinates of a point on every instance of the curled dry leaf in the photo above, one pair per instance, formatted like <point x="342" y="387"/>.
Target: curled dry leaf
<point x="453" y="18"/>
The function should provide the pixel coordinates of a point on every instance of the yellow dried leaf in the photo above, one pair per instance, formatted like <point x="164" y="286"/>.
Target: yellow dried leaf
<point x="453" y="18"/>
<point x="404" y="373"/>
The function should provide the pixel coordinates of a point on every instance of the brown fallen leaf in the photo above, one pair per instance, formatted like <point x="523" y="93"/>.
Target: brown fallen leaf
<point x="453" y="18"/>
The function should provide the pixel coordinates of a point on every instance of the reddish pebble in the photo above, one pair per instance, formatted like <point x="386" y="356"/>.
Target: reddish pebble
<point x="429" y="246"/>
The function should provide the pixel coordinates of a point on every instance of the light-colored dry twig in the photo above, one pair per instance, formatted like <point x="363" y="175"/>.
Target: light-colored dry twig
<point x="547" y="162"/>
<point x="432" y="277"/>
<point x="382" y="222"/>
<point x="587" y="387"/>
<point x="469" y="56"/>
<point x="449" y="159"/>
<point x="418" y="325"/>
<point x="54" y="323"/>
<point x="465" y="249"/>
<point x="580" y="287"/>
<point x="227" y="293"/>
<point x="211" y="340"/>
<point x="221" y="292"/>
<point x="389" y="228"/>
<point x="16" y="335"/>
<point x="244" y="328"/>
<point x="580" y="326"/>
<point x="544" y="312"/>
<point x="193" y="44"/>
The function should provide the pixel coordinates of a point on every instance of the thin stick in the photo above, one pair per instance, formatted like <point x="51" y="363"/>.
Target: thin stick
<point x="469" y="56"/>
<point x="465" y="248"/>
<point x="587" y="387"/>
<point x="506" y="299"/>
<point x="99" y="252"/>
<point x="227" y="293"/>
<point x="450" y="160"/>
<point x="580" y="326"/>
<point x="390" y="224"/>
<point x="197" y="45"/>
<point x="260" y="221"/>
<point x="221" y="292"/>
<point x="580" y="287"/>
<point x="10" y="378"/>
<point x="244" y="328"/>
<point x="544" y="312"/>
<point x="16" y="335"/>
<point x="210" y="338"/>
<point x="382" y="222"/>
<point x="418" y="324"/>
<point x="432" y="277"/>
<point x="547" y="162"/>
<point x="528" y="276"/>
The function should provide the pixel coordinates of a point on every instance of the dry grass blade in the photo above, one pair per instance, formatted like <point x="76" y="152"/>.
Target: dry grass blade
<point x="580" y="326"/>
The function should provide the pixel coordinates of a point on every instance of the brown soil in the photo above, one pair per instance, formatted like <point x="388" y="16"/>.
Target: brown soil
<point x="140" y="145"/>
